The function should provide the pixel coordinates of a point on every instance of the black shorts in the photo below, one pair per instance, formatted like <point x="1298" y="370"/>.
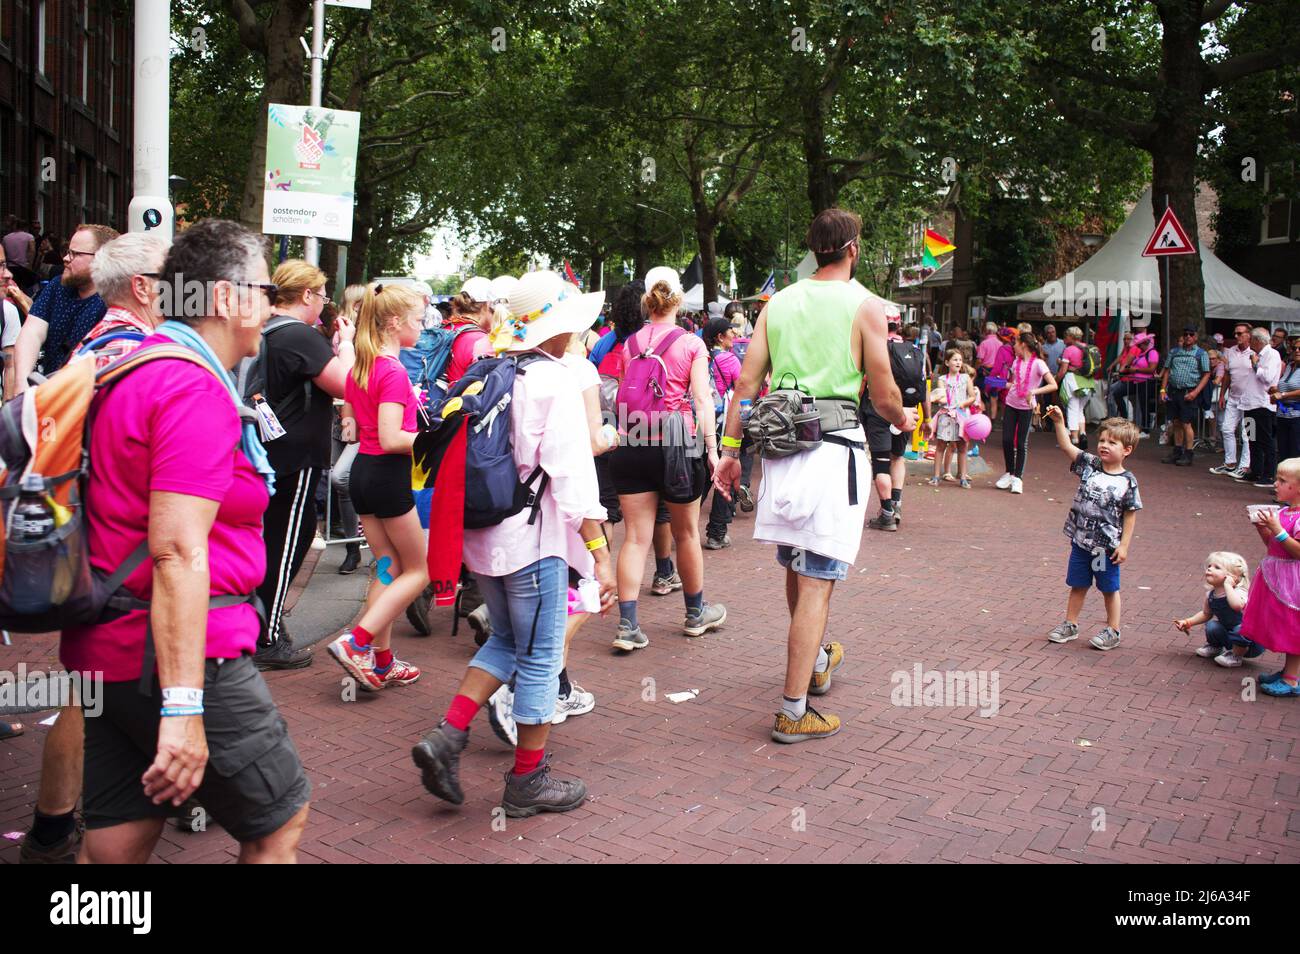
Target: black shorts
<point x="882" y="442"/>
<point x="640" y="470"/>
<point x="1181" y="409"/>
<point x="380" y="485"/>
<point x="254" y="781"/>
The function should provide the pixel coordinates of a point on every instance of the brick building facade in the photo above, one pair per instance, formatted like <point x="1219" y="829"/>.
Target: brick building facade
<point x="65" y="112"/>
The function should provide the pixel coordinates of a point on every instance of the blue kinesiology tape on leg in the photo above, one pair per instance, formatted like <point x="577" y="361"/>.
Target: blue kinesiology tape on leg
<point x="382" y="568"/>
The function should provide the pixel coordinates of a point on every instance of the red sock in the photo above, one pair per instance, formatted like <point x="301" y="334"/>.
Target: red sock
<point x="361" y="637"/>
<point x="461" y="712"/>
<point x="527" y="760"/>
<point x="383" y="658"/>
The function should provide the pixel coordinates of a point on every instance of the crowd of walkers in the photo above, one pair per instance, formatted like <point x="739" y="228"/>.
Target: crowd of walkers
<point x="544" y="420"/>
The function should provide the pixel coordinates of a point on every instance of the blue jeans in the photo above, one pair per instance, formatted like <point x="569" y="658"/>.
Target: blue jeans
<point x="812" y="565"/>
<point x="528" y="611"/>
<point x="1218" y="635"/>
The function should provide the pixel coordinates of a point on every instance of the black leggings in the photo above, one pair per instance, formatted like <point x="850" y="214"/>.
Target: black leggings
<point x="1015" y="439"/>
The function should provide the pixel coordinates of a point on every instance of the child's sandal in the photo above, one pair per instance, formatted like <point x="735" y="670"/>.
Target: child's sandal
<point x="965" y="484"/>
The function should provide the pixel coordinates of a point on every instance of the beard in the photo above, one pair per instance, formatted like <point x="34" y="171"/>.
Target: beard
<point x="76" y="283"/>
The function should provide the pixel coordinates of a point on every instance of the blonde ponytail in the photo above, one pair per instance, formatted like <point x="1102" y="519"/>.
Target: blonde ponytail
<point x="382" y="307"/>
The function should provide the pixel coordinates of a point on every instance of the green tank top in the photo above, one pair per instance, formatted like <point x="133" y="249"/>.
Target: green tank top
<point x="810" y="335"/>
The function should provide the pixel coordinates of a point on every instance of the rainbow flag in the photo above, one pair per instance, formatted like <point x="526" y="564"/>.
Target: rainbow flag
<point x="936" y="244"/>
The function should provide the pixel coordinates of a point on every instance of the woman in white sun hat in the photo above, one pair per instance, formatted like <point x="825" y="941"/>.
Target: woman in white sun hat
<point x="638" y="467"/>
<point x="522" y="563"/>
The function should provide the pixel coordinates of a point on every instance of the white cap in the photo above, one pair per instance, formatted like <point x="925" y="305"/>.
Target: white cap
<point x="478" y="288"/>
<point x="662" y="273"/>
<point x="502" y="286"/>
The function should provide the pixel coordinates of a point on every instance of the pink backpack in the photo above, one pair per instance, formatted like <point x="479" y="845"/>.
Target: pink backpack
<point x="643" y="390"/>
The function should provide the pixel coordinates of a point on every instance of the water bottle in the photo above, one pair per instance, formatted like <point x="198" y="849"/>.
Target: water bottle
<point x="33" y="518"/>
<point x="746" y="406"/>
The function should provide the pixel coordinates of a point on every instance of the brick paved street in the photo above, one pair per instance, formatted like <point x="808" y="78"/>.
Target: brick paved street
<point x="1158" y="739"/>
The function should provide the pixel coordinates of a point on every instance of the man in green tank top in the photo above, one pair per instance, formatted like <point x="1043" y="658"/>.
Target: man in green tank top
<point x="822" y="336"/>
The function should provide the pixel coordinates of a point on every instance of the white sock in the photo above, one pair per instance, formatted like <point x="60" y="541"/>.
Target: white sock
<point x="823" y="660"/>
<point x="794" y="708"/>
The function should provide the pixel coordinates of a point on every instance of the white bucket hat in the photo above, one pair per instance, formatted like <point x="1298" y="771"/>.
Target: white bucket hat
<point x="662" y="273"/>
<point x="479" y="289"/>
<point x="502" y="286"/>
<point x="542" y="306"/>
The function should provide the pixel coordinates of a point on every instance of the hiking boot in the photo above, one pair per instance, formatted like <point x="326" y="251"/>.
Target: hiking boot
<point x="630" y="637"/>
<point x="356" y="662"/>
<point x="481" y="623"/>
<point x="281" y="654"/>
<point x="821" y="681"/>
<point x="500" y="708"/>
<point x="713" y="543"/>
<point x="744" y="499"/>
<point x="62" y="852"/>
<point x="813" y="725"/>
<point x="538" y="791"/>
<point x="1173" y="456"/>
<point x="709" y="617"/>
<point x="1107" y="639"/>
<point x="1064" y="633"/>
<point x="437" y="755"/>
<point x="663" y="585"/>
<point x="898" y="512"/>
<point x="885" y="520"/>
<point x="351" y="560"/>
<point x="1184" y="461"/>
<point x="417" y="614"/>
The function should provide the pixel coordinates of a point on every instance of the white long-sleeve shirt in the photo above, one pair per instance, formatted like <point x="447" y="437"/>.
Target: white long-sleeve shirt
<point x="549" y="424"/>
<point x="1256" y="381"/>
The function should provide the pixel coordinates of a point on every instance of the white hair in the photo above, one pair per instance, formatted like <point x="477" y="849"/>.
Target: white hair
<point x="115" y="263"/>
<point x="1261" y="335"/>
<point x="1074" y="331"/>
<point x="991" y="327"/>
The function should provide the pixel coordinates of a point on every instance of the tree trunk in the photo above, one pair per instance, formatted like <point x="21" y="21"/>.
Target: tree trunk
<point x="283" y="71"/>
<point x="822" y="191"/>
<point x="362" y="221"/>
<point x="595" y="273"/>
<point x="640" y="260"/>
<point x="708" y="258"/>
<point x="1173" y="163"/>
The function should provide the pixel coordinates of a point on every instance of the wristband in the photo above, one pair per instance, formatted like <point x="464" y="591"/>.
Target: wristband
<point x="1282" y="537"/>
<point x="177" y="696"/>
<point x="733" y="442"/>
<point x="182" y="711"/>
<point x="731" y="452"/>
<point x="597" y="543"/>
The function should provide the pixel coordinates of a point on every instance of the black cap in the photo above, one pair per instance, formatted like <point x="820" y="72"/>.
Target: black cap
<point x="1189" y="330"/>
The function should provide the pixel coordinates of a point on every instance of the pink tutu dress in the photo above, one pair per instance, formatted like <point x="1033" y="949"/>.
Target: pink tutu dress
<point x="1272" y="616"/>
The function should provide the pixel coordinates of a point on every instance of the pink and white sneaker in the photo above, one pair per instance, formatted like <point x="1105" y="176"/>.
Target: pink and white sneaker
<point x="357" y="663"/>
<point x="400" y="673"/>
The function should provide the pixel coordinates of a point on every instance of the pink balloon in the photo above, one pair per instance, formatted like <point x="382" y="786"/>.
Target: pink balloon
<point x="976" y="427"/>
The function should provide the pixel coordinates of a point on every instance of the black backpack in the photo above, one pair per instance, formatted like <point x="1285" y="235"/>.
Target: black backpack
<point x="907" y="363"/>
<point x="253" y="383"/>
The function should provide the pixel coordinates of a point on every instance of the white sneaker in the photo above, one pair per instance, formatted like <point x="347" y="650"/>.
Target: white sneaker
<point x="1017" y="485"/>
<point x="1004" y="482"/>
<point x="578" y="702"/>
<point x="1208" y="652"/>
<point x="501" y="715"/>
<point x="1164" y="437"/>
<point x="1144" y="434"/>
<point x="318" y="543"/>
<point x="1228" y="659"/>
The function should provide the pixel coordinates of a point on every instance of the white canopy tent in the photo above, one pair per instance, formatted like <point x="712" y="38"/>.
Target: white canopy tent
<point x="694" y="299"/>
<point x="1118" y="274"/>
<point x="808" y="266"/>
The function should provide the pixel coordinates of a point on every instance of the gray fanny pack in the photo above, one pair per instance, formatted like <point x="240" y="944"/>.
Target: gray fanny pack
<point x="785" y="422"/>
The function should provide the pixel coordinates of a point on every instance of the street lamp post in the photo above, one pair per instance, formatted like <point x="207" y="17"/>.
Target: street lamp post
<point x="151" y="209"/>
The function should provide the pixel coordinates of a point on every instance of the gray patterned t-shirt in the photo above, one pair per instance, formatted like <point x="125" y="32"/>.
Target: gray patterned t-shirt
<point x="1096" y="519"/>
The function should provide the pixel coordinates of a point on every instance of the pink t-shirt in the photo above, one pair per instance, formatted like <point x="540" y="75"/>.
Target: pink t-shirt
<point x="988" y="350"/>
<point x="1074" y="355"/>
<point x="678" y="359"/>
<point x="726" y="371"/>
<point x="467" y="348"/>
<point x="388" y="384"/>
<point x="1023" y="378"/>
<point x="169" y="426"/>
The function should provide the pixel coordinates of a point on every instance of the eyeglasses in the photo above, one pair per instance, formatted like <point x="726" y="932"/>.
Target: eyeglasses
<point x="311" y="291"/>
<point x="272" y="290"/>
<point x="73" y="253"/>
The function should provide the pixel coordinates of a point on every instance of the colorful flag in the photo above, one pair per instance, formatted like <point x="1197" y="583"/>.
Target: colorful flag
<point x="928" y="260"/>
<point x="569" y="275"/>
<point x="1109" y="338"/>
<point x="769" y="286"/>
<point x="936" y="244"/>
<point x="731" y="285"/>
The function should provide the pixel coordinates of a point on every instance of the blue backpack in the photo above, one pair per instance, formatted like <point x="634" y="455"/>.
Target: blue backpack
<point x="493" y="490"/>
<point x="426" y="363"/>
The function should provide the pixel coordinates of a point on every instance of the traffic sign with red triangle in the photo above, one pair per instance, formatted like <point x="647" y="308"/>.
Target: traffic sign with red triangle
<point x="1169" y="238"/>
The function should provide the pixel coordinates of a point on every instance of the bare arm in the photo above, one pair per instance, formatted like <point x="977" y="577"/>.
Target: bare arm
<point x="1236" y="594"/>
<point x="27" y="349"/>
<point x="1062" y="435"/>
<point x="1049" y="387"/>
<point x="758" y="363"/>
<point x="335" y="374"/>
<point x="179" y="525"/>
<point x="392" y="439"/>
<point x="9" y="373"/>
<point x="591" y="404"/>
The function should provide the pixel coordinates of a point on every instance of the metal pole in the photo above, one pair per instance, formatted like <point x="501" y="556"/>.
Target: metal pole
<point x="1168" y="307"/>
<point x="311" y="245"/>
<point x="151" y="208"/>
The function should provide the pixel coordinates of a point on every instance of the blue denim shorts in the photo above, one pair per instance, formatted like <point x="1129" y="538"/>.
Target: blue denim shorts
<point x="812" y="565"/>
<point x="528" y="610"/>
<point x="1082" y="573"/>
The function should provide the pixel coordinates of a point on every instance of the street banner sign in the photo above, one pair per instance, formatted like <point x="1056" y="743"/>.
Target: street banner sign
<point x="311" y="167"/>
<point x="1169" y="238"/>
<point x="354" y="4"/>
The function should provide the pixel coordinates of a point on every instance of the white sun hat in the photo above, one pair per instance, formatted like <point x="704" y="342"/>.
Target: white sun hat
<point x="479" y="289"/>
<point x="502" y="286"/>
<point x="542" y="306"/>
<point x="662" y="273"/>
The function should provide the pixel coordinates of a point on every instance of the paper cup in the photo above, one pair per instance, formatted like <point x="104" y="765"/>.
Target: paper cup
<point x="1255" y="509"/>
